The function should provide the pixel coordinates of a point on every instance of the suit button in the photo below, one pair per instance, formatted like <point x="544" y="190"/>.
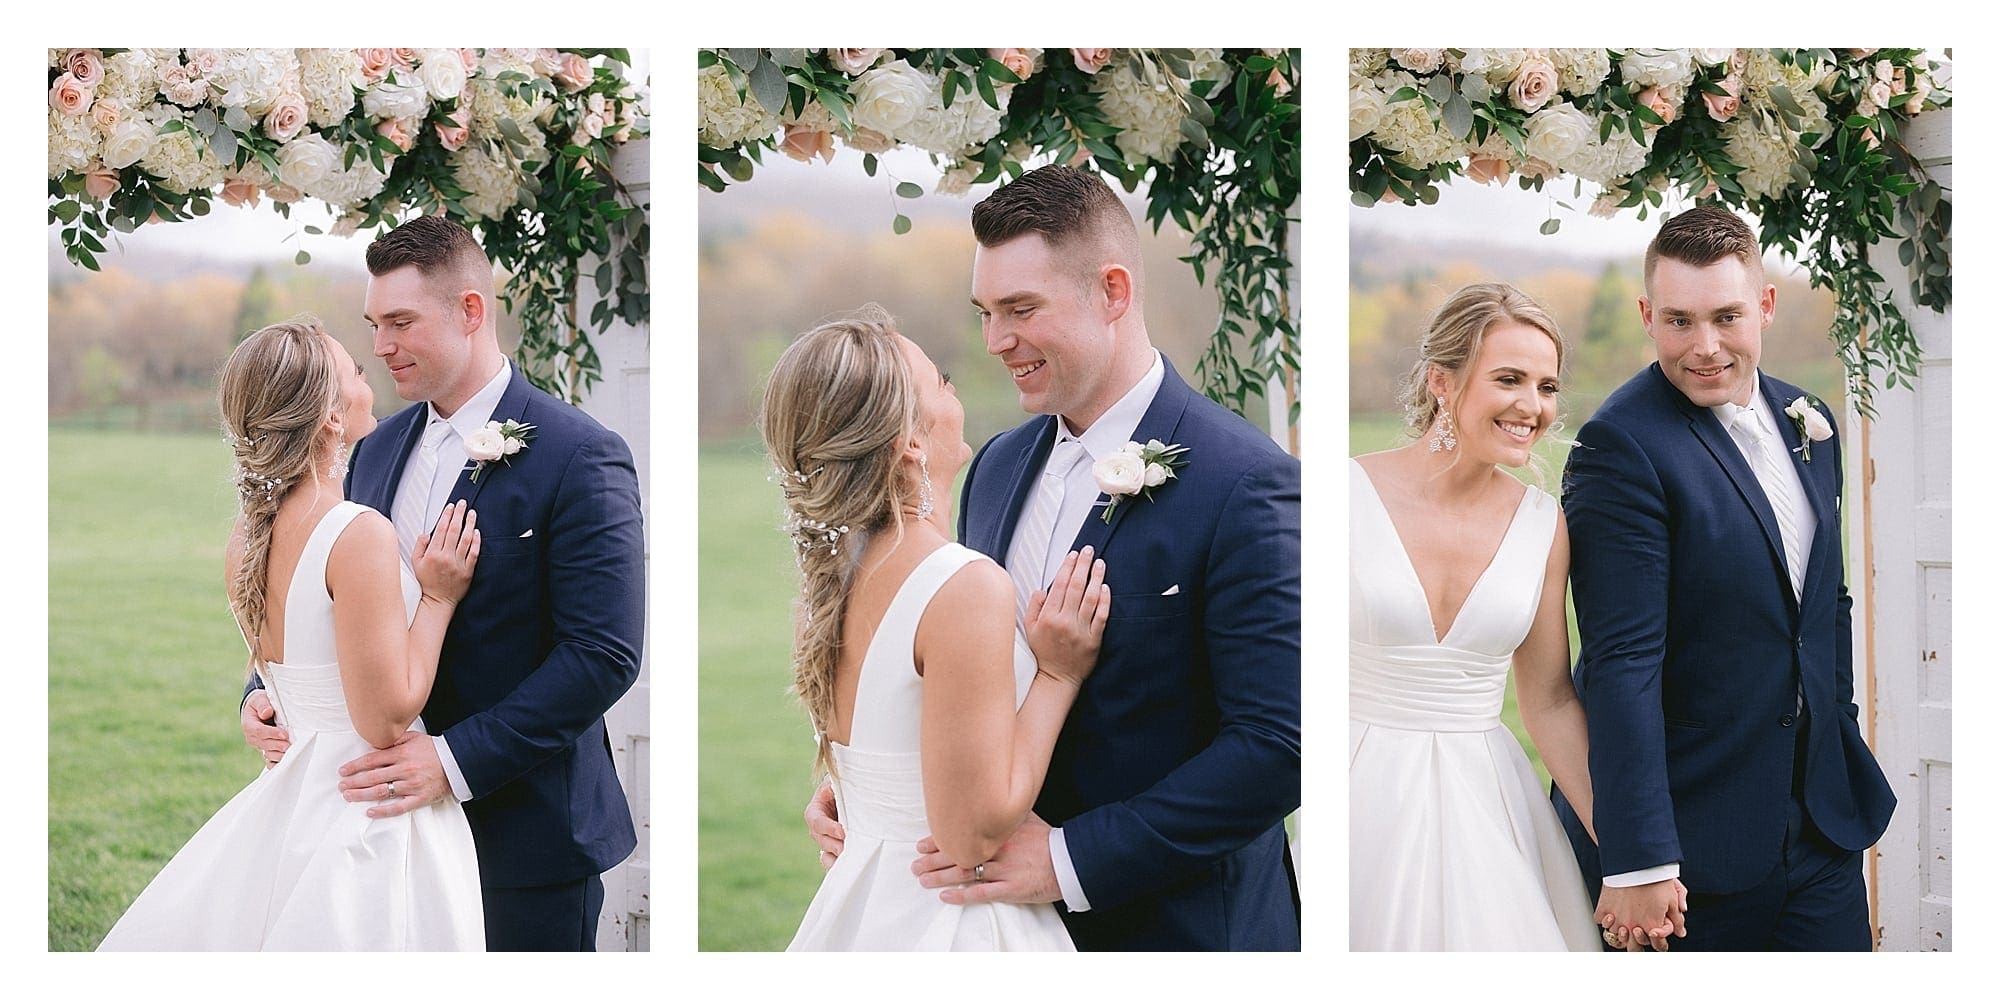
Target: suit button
<point x="1786" y="721"/>
<point x="1799" y="643"/>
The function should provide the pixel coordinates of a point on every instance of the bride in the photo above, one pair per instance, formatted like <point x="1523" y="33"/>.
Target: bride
<point x="1458" y="571"/>
<point x="347" y="644"/>
<point x="936" y="716"/>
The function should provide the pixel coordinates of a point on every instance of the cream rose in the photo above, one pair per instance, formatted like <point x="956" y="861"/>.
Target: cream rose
<point x="1711" y="57"/>
<point x="573" y="72"/>
<point x="888" y="99"/>
<point x="69" y="97"/>
<point x="1090" y="60"/>
<point x="128" y="143"/>
<point x="867" y="140"/>
<point x="485" y="444"/>
<point x="1656" y="67"/>
<point x="306" y="161"/>
<point x="1880" y="93"/>
<point x="1534" y="84"/>
<point x="395" y="100"/>
<point x="1418" y="60"/>
<point x="1555" y="133"/>
<point x="181" y="86"/>
<point x="1365" y="107"/>
<point x="442" y="73"/>
<point x="1121" y="473"/>
<point x="854" y="62"/>
<point x="287" y="117"/>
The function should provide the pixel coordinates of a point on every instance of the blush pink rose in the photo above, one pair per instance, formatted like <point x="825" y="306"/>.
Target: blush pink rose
<point x="1880" y="93"/>
<point x="287" y="117"/>
<point x="87" y="66"/>
<point x="404" y="59"/>
<point x="240" y="190"/>
<point x="1709" y="190"/>
<point x="453" y="136"/>
<point x="99" y="181"/>
<point x="1019" y="62"/>
<point x="204" y="61"/>
<point x="106" y="114"/>
<point x="547" y="62"/>
<point x="1534" y="84"/>
<point x="1534" y="168"/>
<point x="803" y="142"/>
<point x="1091" y="60"/>
<point x="69" y="97"/>
<point x="573" y="72"/>
<point x="374" y="64"/>
<point x="1488" y="169"/>
<point x="398" y="131"/>
<point x="182" y="87"/>
<point x="854" y="62"/>
<point x="469" y="57"/>
<point x="868" y="140"/>
<point x="1659" y="103"/>
<point x="1277" y="82"/>
<point x="1722" y="107"/>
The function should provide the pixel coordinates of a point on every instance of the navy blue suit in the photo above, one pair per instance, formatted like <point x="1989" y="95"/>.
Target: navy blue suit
<point x="1696" y="654"/>
<point x="543" y="644"/>
<point x="1180" y="759"/>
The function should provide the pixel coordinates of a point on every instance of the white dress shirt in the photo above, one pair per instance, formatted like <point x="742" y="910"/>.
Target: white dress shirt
<point x="1804" y="524"/>
<point x="451" y="464"/>
<point x="1104" y="436"/>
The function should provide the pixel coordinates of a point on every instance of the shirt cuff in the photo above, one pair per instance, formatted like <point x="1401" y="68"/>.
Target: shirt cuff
<point x="1072" y="887"/>
<point x="452" y="774"/>
<point x="1645" y="876"/>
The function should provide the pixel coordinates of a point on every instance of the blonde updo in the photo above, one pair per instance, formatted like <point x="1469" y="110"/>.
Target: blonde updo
<point x="839" y="403"/>
<point x="1455" y="333"/>
<point x="277" y="389"/>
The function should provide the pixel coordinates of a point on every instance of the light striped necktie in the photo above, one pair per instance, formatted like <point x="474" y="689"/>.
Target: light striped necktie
<point x="1777" y="477"/>
<point x="1035" y="532"/>
<point x="413" y="502"/>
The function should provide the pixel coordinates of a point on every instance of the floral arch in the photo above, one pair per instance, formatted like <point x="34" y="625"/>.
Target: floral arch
<point x="516" y="144"/>
<point x="1809" y="140"/>
<point x="1214" y="134"/>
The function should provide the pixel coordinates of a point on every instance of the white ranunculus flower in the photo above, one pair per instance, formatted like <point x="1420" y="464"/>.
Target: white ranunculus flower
<point x="442" y="72"/>
<point x="1121" y="473"/>
<point x="1815" y="424"/>
<point x="890" y="98"/>
<point x="306" y="161"/>
<point x="1156" y="474"/>
<point x="1656" y="67"/>
<point x="1556" y="133"/>
<point x="128" y="142"/>
<point x="396" y="100"/>
<point x="486" y="443"/>
<point x="513" y="445"/>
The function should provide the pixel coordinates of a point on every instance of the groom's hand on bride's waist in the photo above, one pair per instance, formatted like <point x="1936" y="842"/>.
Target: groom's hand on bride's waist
<point x="1022" y="871"/>
<point x="267" y="739"/>
<point x="823" y="826"/>
<point x="398" y="778"/>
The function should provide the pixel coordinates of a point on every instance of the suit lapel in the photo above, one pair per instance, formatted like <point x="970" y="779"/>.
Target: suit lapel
<point x="1020" y="478"/>
<point x="513" y="405"/>
<point x="1815" y="478"/>
<point x="382" y="493"/>
<point x="1162" y="419"/>
<point x="1713" y="436"/>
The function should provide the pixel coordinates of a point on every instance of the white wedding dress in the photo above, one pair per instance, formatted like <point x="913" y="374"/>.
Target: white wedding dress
<point x="869" y="900"/>
<point x="1452" y="842"/>
<point x="288" y="865"/>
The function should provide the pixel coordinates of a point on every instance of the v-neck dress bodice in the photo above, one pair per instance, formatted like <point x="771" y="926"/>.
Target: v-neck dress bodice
<point x="1453" y="844"/>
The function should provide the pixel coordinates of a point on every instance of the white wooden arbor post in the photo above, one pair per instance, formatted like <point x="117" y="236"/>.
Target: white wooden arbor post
<point x="1900" y="575"/>
<point x="620" y="402"/>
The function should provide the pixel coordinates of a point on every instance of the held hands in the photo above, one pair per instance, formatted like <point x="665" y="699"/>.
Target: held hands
<point x="1643" y="916"/>
<point x="1066" y="622"/>
<point x="1022" y="872"/>
<point x="443" y="559"/>
<point x="260" y="731"/>
<point x="823" y="826"/>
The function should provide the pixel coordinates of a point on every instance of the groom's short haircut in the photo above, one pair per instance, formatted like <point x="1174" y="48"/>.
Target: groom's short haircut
<point x="1074" y="210"/>
<point x="1703" y="235"/>
<point x="442" y="250"/>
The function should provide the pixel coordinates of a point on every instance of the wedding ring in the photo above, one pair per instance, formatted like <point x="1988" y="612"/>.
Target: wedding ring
<point x="1614" y="940"/>
<point x="392" y="789"/>
<point x="979" y="872"/>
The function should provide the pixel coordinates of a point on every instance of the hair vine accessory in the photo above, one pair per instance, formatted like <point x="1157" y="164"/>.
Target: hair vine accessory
<point x="924" y="497"/>
<point x="238" y="443"/>
<point x="809" y="534"/>
<point x="1447" y="435"/>
<point x="255" y="487"/>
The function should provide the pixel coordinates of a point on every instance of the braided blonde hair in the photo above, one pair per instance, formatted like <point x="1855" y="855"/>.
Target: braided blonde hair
<point x="277" y="388"/>
<point x="838" y="405"/>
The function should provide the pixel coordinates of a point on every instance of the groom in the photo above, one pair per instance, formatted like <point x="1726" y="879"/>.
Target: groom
<point x="1180" y="760"/>
<point x="1717" y="664"/>
<point x="547" y="639"/>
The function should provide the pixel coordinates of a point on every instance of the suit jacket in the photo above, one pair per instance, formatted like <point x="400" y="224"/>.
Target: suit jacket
<point x="1180" y="759"/>
<point x="1696" y="652"/>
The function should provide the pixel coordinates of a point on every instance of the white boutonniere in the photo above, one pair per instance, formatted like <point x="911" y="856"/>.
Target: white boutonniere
<point x="1136" y="470"/>
<point x="497" y="442"/>
<point x="1811" y="424"/>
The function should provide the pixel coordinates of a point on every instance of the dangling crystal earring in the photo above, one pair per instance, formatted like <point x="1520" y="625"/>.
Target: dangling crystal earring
<point x="923" y="487"/>
<point x="1447" y="435"/>
<point x="338" y="470"/>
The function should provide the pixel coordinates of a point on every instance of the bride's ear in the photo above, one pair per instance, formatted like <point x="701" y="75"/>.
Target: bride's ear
<point x="1437" y="382"/>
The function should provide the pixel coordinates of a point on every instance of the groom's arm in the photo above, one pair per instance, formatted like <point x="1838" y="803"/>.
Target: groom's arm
<point x="1843" y="608"/>
<point x="1247" y="779"/>
<point x="1620" y="556"/>
<point x="596" y="587"/>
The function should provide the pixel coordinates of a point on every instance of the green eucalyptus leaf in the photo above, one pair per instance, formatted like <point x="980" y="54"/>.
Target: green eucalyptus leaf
<point x="907" y="189"/>
<point x="767" y="85"/>
<point x="902" y="224"/>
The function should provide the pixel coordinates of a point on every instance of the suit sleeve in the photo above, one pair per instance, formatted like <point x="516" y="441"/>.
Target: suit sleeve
<point x="1247" y="780"/>
<point x="1619" y="566"/>
<point x="1843" y="608"/>
<point x="596" y="587"/>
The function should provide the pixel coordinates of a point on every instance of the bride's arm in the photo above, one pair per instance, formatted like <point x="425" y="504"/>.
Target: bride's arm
<point x="386" y="669"/>
<point x="1544" y="691"/>
<point x="983" y="761"/>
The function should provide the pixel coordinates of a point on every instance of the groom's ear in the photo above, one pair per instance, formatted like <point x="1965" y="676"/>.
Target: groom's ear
<point x="473" y="304"/>
<point x="1114" y="282"/>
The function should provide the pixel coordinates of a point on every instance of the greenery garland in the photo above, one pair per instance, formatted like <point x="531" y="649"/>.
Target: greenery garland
<point x="1808" y="140"/>
<point x="1214" y="134"/>
<point x="514" y="143"/>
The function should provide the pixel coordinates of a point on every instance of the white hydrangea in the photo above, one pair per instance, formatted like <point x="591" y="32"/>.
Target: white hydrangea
<point x="1147" y="115"/>
<point x="725" y="118"/>
<point x="491" y="183"/>
<point x="1580" y="72"/>
<point x="1765" y="156"/>
<point x="328" y="79"/>
<point x="345" y="189"/>
<point x="1556" y="134"/>
<point x="1615" y="157"/>
<point x="131" y="77"/>
<point x="1656" y="67"/>
<point x="396" y="100"/>
<point x="1366" y="63"/>
<point x="967" y="123"/>
<point x="73" y="143"/>
<point x="1414" y="132"/>
<point x="182" y="161"/>
<point x="250" y="79"/>
<point x="1498" y="66"/>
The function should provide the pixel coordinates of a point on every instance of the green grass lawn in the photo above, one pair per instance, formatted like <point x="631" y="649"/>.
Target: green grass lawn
<point x="1369" y="432"/>
<point x="145" y="667"/>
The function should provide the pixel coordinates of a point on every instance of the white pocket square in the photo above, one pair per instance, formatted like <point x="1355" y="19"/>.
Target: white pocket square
<point x="1171" y="591"/>
<point x="530" y="533"/>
